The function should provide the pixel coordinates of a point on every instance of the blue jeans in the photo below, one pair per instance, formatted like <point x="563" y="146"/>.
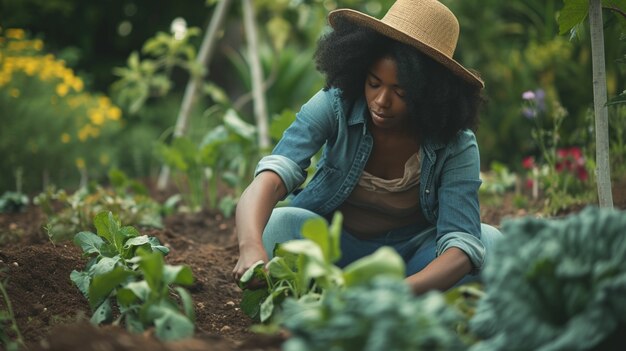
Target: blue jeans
<point x="416" y="243"/>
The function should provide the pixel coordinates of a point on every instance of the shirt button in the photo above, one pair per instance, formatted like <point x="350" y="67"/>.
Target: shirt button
<point x="427" y="191"/>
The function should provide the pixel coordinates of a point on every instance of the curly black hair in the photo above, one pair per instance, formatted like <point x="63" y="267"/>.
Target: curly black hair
<point x="441" y="104"/>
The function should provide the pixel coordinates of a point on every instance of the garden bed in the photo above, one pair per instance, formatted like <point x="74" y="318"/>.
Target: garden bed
<point x="53" y="315"/>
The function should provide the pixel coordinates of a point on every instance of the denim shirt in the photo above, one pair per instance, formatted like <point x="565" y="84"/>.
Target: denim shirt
<point x="450" y="173"/>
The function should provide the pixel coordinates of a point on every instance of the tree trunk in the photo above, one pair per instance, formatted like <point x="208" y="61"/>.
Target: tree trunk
<point x="204" y="58"/>
<point x="603" y="167"/>
<point x="260" y="109"/>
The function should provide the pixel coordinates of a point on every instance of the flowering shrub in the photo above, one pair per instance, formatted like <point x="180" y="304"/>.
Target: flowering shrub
<point x="561" y="172"/>
<point x="52" y="127"/>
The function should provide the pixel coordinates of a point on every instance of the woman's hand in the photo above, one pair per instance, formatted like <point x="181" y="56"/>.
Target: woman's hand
<point x="248" y="256"/>
<point x="442" y="273"/>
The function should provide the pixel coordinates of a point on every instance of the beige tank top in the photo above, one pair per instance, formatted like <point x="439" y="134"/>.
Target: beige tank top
<point x="378" y="205"/>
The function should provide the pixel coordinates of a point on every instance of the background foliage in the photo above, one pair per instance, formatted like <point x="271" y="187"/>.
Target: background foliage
<point x="520" y="50"/>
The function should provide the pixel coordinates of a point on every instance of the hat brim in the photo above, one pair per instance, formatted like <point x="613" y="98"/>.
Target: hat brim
<point x="388" y="31"/>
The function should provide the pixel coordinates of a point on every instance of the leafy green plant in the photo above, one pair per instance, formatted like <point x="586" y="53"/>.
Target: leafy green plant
<point x="13" y="201"/>
<point x="556" y="284"/>
<point x="151" y="76"/>
<point x="381" y="314"/>
<point x="129" y="269"/>
<point x="68" y="214"/>
<point x="304" y="269"/>
<point x="225" y="156"/>
<point x="10" y="337"/>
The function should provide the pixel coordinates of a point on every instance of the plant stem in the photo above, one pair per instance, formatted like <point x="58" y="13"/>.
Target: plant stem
<point x="14" y="326"/>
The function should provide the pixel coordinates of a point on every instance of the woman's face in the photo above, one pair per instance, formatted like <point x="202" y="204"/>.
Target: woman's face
<point x="385" y="98"/>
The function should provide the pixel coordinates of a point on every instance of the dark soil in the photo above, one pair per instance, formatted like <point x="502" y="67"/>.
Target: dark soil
<point x="53" y="315"/>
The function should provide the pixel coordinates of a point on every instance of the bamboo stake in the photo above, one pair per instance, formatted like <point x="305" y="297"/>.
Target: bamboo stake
<point x="191" y="90"/>
<point x="603" y="167"/>
<point x="260" y="109"/>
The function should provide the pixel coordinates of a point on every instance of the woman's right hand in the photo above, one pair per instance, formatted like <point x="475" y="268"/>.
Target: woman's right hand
<point x="248" y="256"/>
<point x="253" y="211"/>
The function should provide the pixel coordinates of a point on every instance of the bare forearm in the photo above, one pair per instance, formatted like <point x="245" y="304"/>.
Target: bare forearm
<point x="442" y="273"/>
<point x="255" y="207"/>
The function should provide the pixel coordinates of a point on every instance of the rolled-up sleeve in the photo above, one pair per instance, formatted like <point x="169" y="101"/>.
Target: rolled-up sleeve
<point x="289" y="171"/>
<point x="458" y="223"/>
<point x="469" y="244"/>
<point x="291" y="157"/>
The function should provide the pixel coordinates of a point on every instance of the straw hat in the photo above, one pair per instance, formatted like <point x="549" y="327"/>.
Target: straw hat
<point x="427" y="25"/>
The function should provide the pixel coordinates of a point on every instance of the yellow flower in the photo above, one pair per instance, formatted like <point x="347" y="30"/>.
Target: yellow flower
<point x="80" y="163"/>
<point x="38" y="44"/>
<point x="83" y="133"/>
<point x="14" y="92"/>
<point x="96" y="117"/>
<point x="104" y="101"/>
<point x="77" y="84"/>
<point x="62" y="89"/>
<point x="65" y="138"/>
<point x="114" y="113"/>
<point x="15" y="33"/>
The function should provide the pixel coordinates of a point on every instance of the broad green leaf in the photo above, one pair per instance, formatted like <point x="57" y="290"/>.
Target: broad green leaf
<point x="251" y="301"/>
<point x="384" y="261"/>
<point x="328" y="238"/>
<point x="177" y="275"/>
<point x="267" y="308"/>
<point x="188" y="306"/>
<point x="103" y="313"/>
<point x="89" y="242"/>
<point x="303" y="247"/>
<point x="139" y="289"/>
<point x="316" y="230"/>
<point x="136" y="241"/>
<point x="279" y="268"/>
<point x="152" y="264"/>
<point x="106" y="225"/>
<point x="104" y="265"/>
<point x="102" y="285"/>
<point x="81" y="280"/>
<point x="187" y="148"/>
<point x="129" y="232"/>
<point x="172" y="157"/>
<point x="574" y="12"/>
<point x="255" y="271"/>
<point x="156" y="246"/>
<point x="235" y="124"/>
<point x="173" y="326"/>
<point x="126" y="297"/>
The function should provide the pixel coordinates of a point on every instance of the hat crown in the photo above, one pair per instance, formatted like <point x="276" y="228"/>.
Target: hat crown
<point x="428" y="21"/>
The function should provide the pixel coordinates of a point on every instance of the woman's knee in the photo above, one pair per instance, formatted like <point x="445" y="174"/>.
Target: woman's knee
<point x="489" y="235"/>
<point x="285" y="224"/>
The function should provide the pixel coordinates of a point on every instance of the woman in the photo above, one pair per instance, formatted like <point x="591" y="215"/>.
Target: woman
<point x="400" y="160"/>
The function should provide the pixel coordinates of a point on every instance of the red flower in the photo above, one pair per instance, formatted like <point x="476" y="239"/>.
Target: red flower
<point x="581" y="173"/>
<point x="528" y="162"/>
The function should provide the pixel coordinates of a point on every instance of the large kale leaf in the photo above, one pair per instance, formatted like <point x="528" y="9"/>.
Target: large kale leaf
<point x="380" y="315"/>
<point x="556" y="284"/>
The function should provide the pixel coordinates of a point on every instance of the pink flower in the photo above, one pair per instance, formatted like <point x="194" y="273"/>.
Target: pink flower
<point x="528" y="95"/>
